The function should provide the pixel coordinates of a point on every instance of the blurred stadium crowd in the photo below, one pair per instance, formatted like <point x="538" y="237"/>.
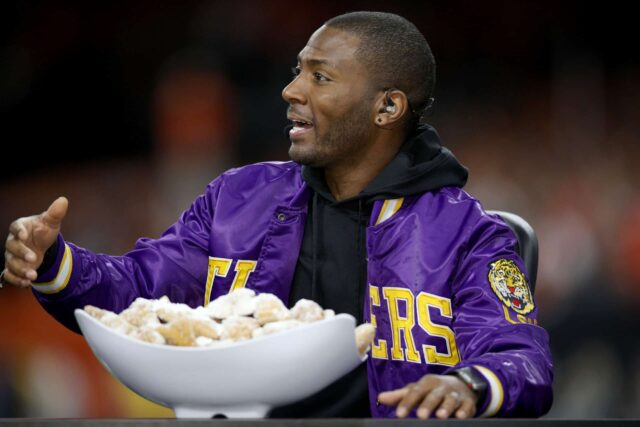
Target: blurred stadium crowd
<point x="130" y="108"/>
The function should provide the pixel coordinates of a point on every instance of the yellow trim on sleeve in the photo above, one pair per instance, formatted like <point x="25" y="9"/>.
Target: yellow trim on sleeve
<point x="497" y="392"/>
<point x="62" y="278"/>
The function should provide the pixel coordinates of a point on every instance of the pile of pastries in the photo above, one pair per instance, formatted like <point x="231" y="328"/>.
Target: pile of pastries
<point x="237" y="316"/>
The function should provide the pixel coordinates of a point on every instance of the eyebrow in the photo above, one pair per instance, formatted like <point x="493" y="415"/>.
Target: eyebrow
<point x="315" y="61"/>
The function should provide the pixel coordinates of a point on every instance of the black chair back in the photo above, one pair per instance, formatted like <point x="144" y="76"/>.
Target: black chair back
<point x="527" y="243"/>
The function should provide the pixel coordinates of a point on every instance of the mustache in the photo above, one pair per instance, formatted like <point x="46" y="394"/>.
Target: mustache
<point x="291" y="110"/>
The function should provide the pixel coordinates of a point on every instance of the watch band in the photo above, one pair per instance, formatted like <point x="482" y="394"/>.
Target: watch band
<point x="474" y="380"/>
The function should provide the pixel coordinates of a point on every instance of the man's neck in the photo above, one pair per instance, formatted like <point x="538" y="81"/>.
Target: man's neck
<point x="349" y="178"/>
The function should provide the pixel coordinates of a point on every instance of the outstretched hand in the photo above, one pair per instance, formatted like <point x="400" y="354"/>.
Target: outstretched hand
<point x="445" y="395"/>
<point x="28" y="240"/>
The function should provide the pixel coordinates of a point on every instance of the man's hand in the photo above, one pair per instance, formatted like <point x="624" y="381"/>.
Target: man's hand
<point x="28" y="240"/>
<point x="444" y="394"/>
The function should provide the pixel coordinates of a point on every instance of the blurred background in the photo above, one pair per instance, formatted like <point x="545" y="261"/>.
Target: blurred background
<point x="130" y="108"/>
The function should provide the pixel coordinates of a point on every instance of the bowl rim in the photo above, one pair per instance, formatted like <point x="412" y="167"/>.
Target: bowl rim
<point x="230" y="344"/>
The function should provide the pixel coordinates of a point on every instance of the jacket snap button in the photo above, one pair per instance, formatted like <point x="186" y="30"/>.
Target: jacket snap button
<point x="281" y="217"/>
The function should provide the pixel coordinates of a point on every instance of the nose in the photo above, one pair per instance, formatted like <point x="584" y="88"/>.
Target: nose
<point x="293" y="93"/>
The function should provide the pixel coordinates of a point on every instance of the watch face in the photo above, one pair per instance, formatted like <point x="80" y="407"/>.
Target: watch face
<point x="474" y="380"/>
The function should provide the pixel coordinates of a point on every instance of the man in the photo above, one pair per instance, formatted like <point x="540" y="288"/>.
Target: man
<point x="374" y="223"/>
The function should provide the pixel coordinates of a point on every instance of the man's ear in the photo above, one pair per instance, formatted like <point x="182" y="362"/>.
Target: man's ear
<point x="392" y="107"/>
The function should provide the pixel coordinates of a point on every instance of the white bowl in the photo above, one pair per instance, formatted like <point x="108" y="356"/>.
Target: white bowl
<point x="242" y="380"/>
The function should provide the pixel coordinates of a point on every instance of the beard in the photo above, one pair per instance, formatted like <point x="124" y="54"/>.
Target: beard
<point x="342" y="140"/>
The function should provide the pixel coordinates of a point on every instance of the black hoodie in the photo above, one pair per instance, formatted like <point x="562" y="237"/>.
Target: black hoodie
<point x="332" y="265"/>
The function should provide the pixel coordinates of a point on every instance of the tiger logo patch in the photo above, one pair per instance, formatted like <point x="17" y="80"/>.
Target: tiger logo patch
<point x="509" y="284"/>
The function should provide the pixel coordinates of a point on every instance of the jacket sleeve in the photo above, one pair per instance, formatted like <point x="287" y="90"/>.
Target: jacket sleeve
<point x="174" y="265"/>
<point x="497" y="331"/>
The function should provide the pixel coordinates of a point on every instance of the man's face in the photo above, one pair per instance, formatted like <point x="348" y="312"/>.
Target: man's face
<point x="330" y="101"/>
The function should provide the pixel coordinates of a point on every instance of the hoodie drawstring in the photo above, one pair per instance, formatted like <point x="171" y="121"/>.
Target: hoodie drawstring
<point x="360" y="264"/>
<point x="314" y="244"/>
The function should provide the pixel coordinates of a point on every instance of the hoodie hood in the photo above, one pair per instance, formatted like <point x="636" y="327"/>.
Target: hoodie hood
<point x="422" y="164"/>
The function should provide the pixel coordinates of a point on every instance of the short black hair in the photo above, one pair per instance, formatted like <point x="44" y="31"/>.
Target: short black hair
<point x="395" y="52"/>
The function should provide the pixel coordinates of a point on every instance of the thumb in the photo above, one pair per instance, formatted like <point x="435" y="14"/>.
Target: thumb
<point x="54" y="215"/>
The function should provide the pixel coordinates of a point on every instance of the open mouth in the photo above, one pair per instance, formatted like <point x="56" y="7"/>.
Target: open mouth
<point x="300" y="127"/>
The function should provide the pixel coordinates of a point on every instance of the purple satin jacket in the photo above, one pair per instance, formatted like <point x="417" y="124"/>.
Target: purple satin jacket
<point x="446" y="286"/>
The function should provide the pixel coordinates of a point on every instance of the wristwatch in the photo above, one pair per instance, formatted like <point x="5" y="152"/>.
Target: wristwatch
<point x="474" y="380"/>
